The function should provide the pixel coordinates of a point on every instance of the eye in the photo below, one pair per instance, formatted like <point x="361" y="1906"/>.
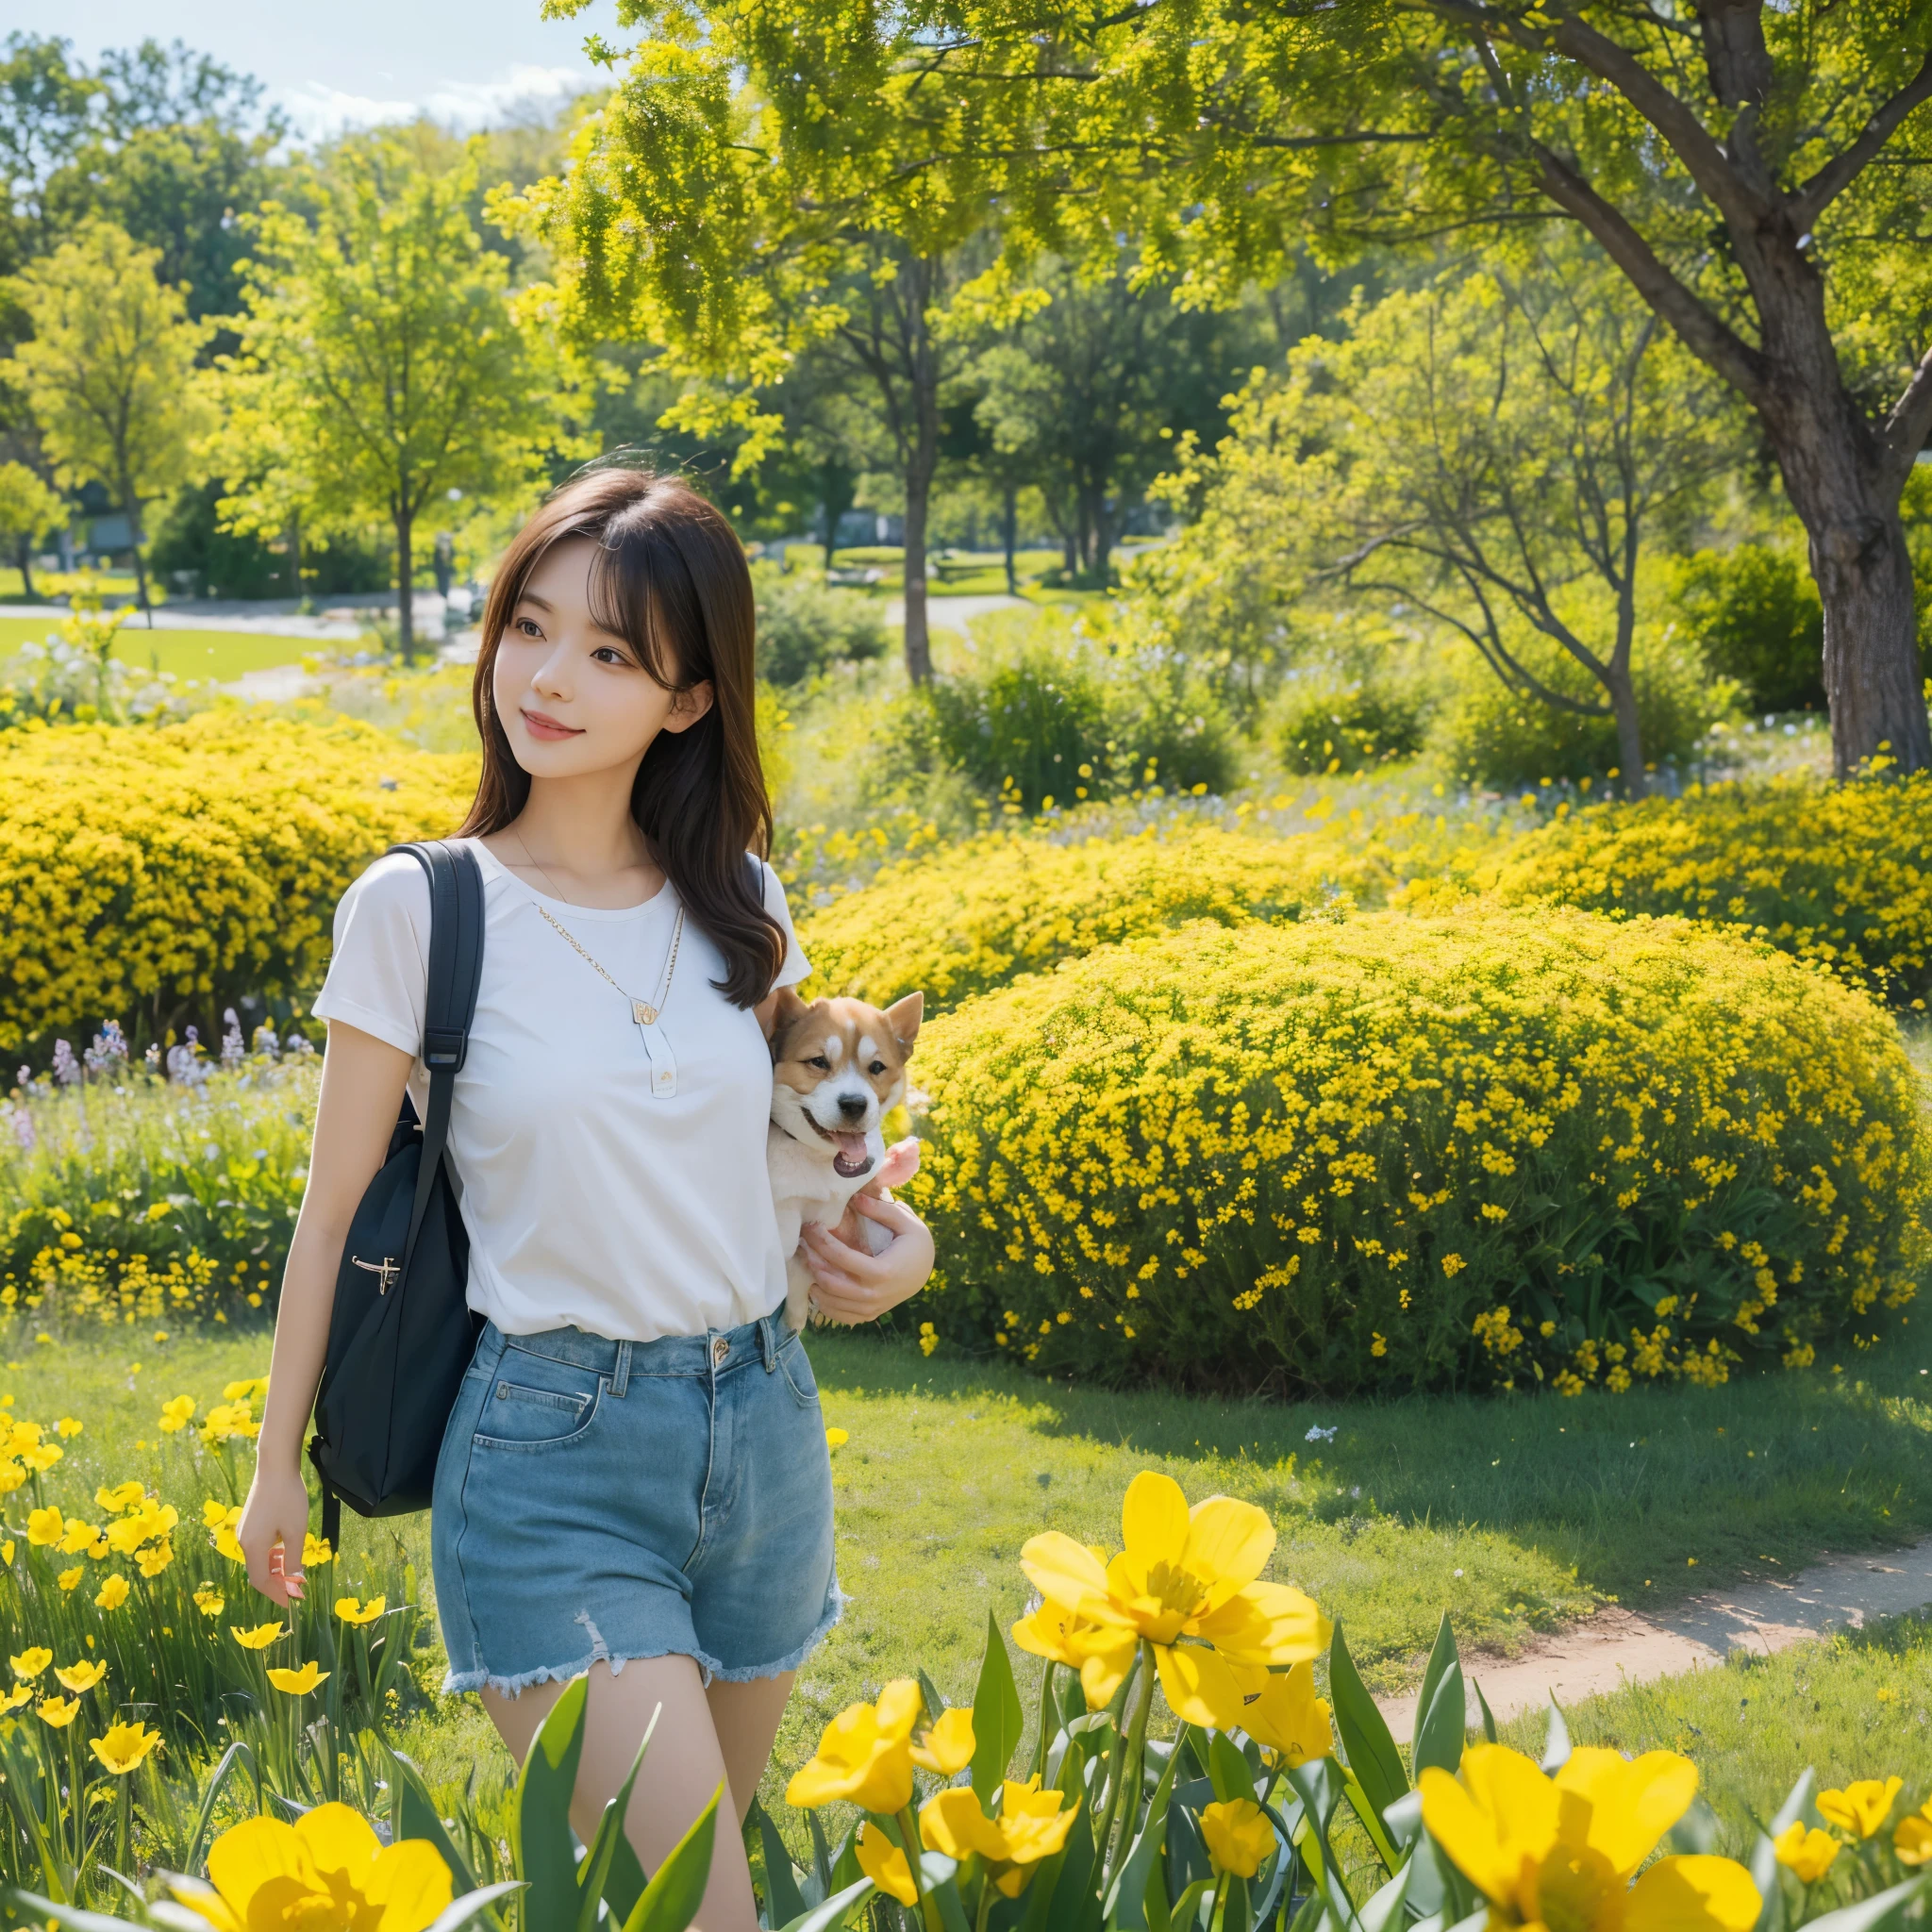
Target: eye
<point x="878" y="1067"/>
<point x="818" y="1059"/>
<point x="529" y="627"/>
<point x="608" y="654"/>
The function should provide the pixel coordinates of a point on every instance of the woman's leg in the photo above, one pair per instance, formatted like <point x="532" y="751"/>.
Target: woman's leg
<point x="745" y="1717"/>
<point x="686" y="1763"/>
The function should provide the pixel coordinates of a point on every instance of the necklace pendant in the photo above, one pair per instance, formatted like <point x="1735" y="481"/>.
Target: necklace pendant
<point x="643" y="1013"/>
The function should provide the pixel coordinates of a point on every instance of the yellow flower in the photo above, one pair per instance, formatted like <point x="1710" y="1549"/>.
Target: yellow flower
<point x="46" y="1527"/>
<point x="124" y="1747"/>
<point x="78" y="1536"/>
<point x="11" y="1476"/>
<point x="68" y="1426"/>
<point x="325" y="1872"/>
<point x="1563" y="1850"/>
<point x="884" y="1863"/>
<point x="208" y="1600"/>
<point x="30" y="1663"/>
<point x="1283" y="1714"/>
<point x="247" y="1391"/>
<point x="81" y="1676"/>
<point x="45" y="1457"/>
<point x="177" y="1414"/>
<point x="352" y="1611"/>
<point x="1239" y="1836"/>
<point x="20" y="1694"/>
<point x="1183" y="1574"/>
<point x="1912" y="1840"/>
<point x="59" y="1712"/>
<point x="69" y="1578"/>
<point x="1093" y="1651"/>
<point x="1807" y="1851"/>
<point x="315" y="1550"/>
<point x="948" y="1746"/>
<point x="299" y="1683"/>
<point x="1860" y="1808"/>
<point x="111" y="1594"/>
<point x="1031" y="1827"/>
<point x="153" y="1562"/>
<point x="836" y="1439"/>
<point x="221" y="1521"/>
<point x="864" y="1756"/>
<point x="121" y="1496"/>
<point x="6" y="1551"/>
<point x="258" y="1639"/>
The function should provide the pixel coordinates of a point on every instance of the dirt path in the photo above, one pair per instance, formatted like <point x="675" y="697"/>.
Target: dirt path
<point x="1616" y="1646"/>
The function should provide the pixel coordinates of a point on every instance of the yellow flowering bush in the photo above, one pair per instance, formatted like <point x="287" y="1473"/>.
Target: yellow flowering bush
<point x="1480" y="1149"/>
<point x="1839" y="874"/>
<point x="155" y="877"/>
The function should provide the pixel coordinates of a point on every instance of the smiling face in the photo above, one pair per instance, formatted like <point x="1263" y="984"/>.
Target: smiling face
<point x="838" y="1067"/>
<point x="572" y="697"/>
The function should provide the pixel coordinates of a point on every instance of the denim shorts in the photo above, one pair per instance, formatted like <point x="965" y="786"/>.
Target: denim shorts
<point x="614" y="1500"/>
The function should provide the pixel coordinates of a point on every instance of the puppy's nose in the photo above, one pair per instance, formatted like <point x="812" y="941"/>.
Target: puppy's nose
<point x="852" y="1105"/>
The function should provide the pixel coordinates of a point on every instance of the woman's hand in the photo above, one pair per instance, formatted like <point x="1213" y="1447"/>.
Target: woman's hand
<point x="274" y="1520"/>
<point x="850" y="1283"/>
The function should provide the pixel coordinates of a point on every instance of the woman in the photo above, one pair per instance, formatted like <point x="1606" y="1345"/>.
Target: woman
<point x="634" y="1481"/>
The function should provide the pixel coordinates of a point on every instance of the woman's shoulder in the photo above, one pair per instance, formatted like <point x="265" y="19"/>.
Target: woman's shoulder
<point x="390" y="890"/>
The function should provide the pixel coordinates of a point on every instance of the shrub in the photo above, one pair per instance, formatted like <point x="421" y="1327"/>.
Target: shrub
<point x="1332" y="725"/>
<point x="803" y="627"/>
<point x="1007" y="904"/>
<point x="1754" y="614"/>
<point x="1839" y="874"/>
<point x="1465" y="1151"/>
<point x="158" y="876"/>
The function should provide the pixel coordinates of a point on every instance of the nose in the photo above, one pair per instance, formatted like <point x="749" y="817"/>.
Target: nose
<point x="852" y="1105"/>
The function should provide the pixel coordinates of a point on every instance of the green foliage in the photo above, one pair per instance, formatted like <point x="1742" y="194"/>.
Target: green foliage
<point x="1325" y="722"/>
<point x="804" y="626"/>
<point x="1754" y="612"/>
<point x="28" y="509"/>
<point x="1400" y="1151"/>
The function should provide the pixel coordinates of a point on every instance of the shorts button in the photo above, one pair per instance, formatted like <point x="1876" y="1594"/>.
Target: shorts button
<point x="503" y="1391"/>
<point x="719" y="1349"/>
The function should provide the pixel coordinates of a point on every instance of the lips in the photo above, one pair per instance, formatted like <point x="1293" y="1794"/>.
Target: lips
<point x="851" y="1160"/>
<point x="537" y="726"/>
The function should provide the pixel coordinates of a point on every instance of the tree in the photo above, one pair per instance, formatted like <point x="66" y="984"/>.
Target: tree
<point x="28" y="509"/>
<point x="110" y="373"/>
<point x="43" y="120"/>
<point x="380" y="366"/>
<point x="1493" y="450"/>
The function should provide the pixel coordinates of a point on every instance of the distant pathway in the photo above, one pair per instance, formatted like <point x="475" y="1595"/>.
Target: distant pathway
<point x="1616" y="1646"/>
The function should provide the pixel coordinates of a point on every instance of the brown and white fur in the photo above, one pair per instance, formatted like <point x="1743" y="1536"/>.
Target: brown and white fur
<point x="838" y="1069"/>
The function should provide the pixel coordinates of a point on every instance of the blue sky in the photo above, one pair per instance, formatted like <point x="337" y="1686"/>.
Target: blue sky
<point x="332" y="63"/>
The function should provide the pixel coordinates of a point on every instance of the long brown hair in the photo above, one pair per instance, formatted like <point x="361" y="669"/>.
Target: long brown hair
<point x="669" y="576"/>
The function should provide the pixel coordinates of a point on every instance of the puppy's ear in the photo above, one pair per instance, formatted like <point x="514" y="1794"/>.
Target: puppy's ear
<point x="903" y="1017"/>
<point x="787" y="1009"/>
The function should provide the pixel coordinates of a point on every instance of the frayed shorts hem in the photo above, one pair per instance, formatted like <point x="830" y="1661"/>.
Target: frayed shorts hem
<point x="456" y="1683"/>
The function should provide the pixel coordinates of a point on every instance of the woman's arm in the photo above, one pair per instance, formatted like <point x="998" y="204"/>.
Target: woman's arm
<point x="362" y="1082"/>
<point x="850" y="1283"/>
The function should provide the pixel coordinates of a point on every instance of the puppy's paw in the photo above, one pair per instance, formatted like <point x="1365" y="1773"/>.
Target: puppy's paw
<point x="900" y="1164"/>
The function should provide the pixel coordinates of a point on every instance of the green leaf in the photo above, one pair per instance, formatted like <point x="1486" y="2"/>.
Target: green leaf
<point x="1310" y="1789"/>
<point x="676" y="1890"/>
<point x="29" y="1905"/>
<point x="1365" y="1737"/>
<point x="997" y="1718"/>
<point x="1886" y="1911"/>
<point x="1441" y="1656"/>
<point x="416" y="1817"/>
<point x="626" y="1884"/>
<point x="594" y="1869"/>
<point x="1556" y="1740"/>
<point x="1227" y="1770"/>
<point x="472" y="1905"/>
<point x="1385" y="1906"/>
<point x="541" y="1847"/>
<point x="1489" y="1716"/>
<point x="1764" y="1866"/>
<point x="1141" y="1877"/>
<point x="1442" y="1732"/>
<point x="784" y="1902"/>
<point x="821" y="1916"/>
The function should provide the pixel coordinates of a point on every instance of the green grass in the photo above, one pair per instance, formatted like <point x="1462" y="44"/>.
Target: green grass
<point x="1515" y="1516"/>
<point x="223" y="654"/>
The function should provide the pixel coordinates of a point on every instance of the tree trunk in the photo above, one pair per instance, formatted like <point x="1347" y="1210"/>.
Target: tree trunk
<point x="921" y="460"/>
<point x="26" y="566"/>
<point x="1009" y="518"/>
<point x="405" y="613"/>
<point x="1621" y="690"/>
<point x="917" y="642"/>
<point x="131" y="504"/>
<point x="293" y="539"/>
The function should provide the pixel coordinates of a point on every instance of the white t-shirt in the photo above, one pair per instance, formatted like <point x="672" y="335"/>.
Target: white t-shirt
<point x="590" y="1201"/>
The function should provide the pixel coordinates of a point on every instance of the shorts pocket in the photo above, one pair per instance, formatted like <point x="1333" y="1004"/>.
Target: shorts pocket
<point x="796" y="1367"/>
<point x="525" y="1414"/>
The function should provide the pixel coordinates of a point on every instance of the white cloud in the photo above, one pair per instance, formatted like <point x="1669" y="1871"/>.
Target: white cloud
<point x="318" y="111"/>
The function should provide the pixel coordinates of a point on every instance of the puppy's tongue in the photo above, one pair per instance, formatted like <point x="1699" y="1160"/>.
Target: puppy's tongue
<point x="851" y="1158"/>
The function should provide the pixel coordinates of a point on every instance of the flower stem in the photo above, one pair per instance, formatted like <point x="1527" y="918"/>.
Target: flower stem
<point x="928" y="1909"/>
<point x="1130" y="1751"/>
<point x="1045" y="1721"/>
<point x="985" y="1897"/>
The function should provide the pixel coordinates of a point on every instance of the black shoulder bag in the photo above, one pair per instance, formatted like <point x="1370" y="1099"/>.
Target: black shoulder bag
<point x="402" y="1333"/>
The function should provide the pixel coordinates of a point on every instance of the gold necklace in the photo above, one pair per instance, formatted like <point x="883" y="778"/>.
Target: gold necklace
<point x="644" y="1012"/>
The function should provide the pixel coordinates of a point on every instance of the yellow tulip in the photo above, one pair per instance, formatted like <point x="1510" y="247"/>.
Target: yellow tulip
<point x="1860" y="1808"/>
<point x="111" y="1594"/>
<point x="948" y="1747"/>
<point x="1563" y="1850"/>
<point x="884" y="1863"/>
<point x="30" y="1663"/>
<point x="209" y="1602"/>
<point x="258" y="1639"/>
<point x="1912" y="1840"/>
<point x="1183" y="1573"/>
<point x="1239" y="1836"/>
<point x="124" y="1747"/>
<point x="1283" y="1715"/>
<point x="352" y="1611"/>
<point x="299" y="1683"/>
<point x="1031" y="1827"/>
<point x="177" y="1414"/>
<point x="325" y="1872"/>
<point x="1100" y="1653"/>
<point x="46" y="1527"/>
<point x="81" y="1676"/>
<point x="865" y="1755"/>
<point x="1808" y="1852"/>
<point x="59" y="1712"/>
<point x="315" y="1550"/>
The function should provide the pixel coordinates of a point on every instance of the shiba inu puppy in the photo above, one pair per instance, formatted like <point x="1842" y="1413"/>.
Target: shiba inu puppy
<point x="839" y="1068"/>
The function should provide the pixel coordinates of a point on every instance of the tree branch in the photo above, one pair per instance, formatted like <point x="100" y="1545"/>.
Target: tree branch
<point x="1909" y="425"/>
<point x="1838" y="173"/>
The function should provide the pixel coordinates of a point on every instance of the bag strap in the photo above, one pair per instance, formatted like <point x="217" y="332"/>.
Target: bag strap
<point x="456" y="966"/>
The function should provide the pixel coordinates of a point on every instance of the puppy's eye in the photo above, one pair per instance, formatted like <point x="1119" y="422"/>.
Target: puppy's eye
<point x="819" y="1060"/>
<point x="878" y="1067"/>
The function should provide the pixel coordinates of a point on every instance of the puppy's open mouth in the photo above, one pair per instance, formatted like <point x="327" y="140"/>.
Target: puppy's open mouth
<point x="850" y="1159"/>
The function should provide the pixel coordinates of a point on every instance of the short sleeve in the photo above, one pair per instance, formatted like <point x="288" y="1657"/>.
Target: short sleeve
<point x="796" y="965"/>
<point x="379" y="972"/>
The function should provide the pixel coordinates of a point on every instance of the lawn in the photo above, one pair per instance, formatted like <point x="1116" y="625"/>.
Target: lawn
<point x="223" y="654"/>
<point x="1513" y="1515"/>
